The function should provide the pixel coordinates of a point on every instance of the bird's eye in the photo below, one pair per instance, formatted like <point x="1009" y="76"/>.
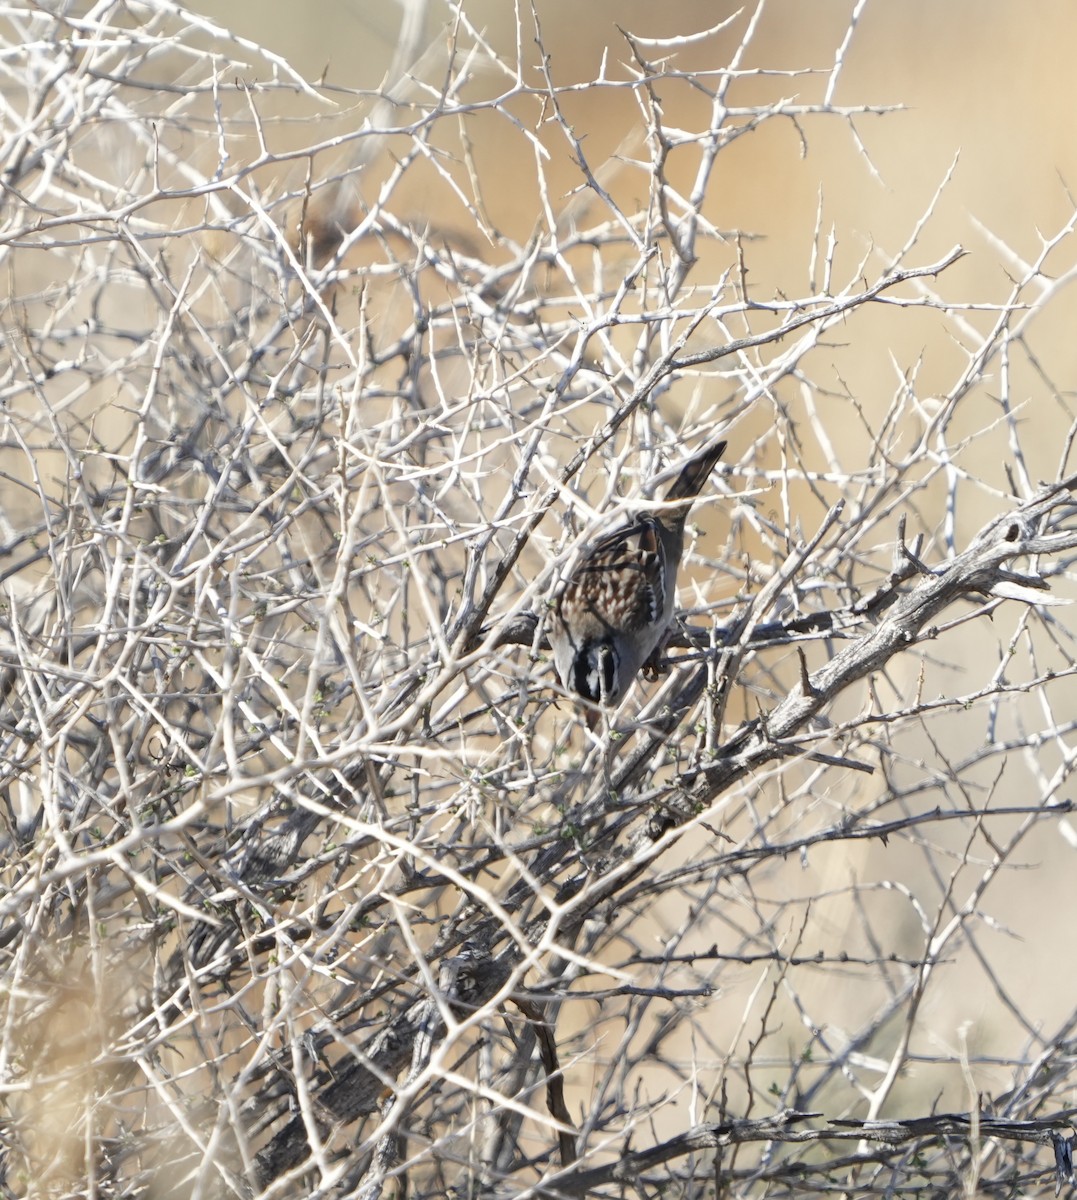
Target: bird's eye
<point x="596" y="672"/>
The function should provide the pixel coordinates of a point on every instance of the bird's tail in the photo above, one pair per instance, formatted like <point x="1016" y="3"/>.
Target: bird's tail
<point x="695" y="472"/>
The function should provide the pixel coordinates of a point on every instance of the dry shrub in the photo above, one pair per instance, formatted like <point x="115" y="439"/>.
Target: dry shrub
<point x="313" y="877"/>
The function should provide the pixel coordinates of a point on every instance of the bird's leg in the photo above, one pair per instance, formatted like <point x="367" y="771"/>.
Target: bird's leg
<point x="657" y="664"/>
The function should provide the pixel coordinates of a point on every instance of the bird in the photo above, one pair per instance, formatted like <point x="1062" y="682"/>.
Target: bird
<point x="611" y="615"/>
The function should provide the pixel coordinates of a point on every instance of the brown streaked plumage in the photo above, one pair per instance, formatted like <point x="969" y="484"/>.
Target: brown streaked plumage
<point x="614" y="610"/>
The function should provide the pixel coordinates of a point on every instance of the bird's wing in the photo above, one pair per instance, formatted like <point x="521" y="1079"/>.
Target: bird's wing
<point x="621" y="581"/>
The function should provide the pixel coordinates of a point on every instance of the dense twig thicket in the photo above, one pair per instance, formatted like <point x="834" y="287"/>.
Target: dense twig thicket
<point x="313" y="880"/>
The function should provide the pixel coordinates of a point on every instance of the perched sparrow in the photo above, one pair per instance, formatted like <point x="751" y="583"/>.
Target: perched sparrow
<point x="613" y="613"/>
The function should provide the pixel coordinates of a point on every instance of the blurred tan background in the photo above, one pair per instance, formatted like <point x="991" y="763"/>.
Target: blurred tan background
<point x="989" y="94"/>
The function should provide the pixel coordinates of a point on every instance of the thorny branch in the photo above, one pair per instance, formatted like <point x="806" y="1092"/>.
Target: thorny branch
<point x="312" y="880"/>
